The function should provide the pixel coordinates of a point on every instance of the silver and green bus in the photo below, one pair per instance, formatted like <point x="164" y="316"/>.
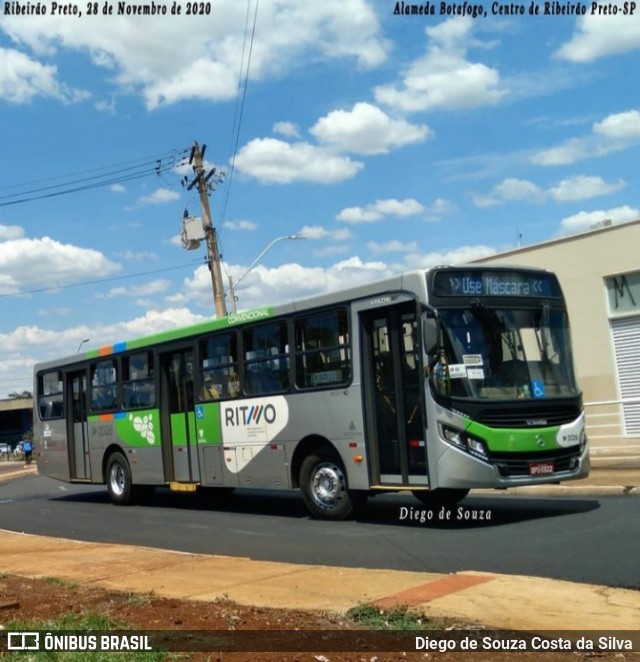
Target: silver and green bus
<point x="432" y="382"/>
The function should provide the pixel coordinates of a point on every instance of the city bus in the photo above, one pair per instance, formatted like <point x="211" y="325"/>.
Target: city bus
<point x="432" y="382"/>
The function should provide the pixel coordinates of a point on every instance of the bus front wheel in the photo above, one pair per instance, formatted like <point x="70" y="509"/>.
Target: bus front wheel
<point x="119" y="485"/>
<point x="324" y="487"/>
<point x="441" y="496"/>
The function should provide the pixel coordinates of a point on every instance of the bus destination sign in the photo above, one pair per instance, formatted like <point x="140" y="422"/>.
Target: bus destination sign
<point x="466" y="283"/>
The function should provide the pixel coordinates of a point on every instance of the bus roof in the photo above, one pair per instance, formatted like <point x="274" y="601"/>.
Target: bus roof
<point x="414" y="281"/>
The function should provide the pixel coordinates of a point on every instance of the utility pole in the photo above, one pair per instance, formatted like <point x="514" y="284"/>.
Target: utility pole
<point x="213" y="253"/>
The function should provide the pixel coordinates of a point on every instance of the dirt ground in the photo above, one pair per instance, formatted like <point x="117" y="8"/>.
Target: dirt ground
<point x="38" y="601"/>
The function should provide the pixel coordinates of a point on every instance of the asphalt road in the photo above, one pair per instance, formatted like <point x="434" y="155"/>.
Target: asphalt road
<point x="583" y="539"/>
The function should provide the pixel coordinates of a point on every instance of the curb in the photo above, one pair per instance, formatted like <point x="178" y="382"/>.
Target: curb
<point x="18" y="473"/>
<point x="536" y="490"/>
<point x="562" y="491"/>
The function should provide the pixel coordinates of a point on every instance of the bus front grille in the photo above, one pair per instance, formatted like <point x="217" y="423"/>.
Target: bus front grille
<point x="528" y="417"/>
<point x="519" y="464"/>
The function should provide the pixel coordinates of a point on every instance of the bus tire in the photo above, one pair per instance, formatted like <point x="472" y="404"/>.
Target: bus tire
<point x="323" y="482"/>
<point x="119" y="484"/>
<point x="441" y="496"/>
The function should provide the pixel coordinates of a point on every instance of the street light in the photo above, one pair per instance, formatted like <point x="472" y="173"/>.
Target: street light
<point x="233" y="286"/>
<point x="82" y="342"/>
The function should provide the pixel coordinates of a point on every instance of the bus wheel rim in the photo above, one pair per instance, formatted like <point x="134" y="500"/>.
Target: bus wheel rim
<point x="328" y="485"/>
<point x="117" y="479"/>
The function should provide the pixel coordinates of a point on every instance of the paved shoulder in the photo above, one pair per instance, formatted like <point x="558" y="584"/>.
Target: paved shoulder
<point x="499" y="601"/>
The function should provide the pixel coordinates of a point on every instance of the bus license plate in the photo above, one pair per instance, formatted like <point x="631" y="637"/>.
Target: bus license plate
<point x="540" y="468"/>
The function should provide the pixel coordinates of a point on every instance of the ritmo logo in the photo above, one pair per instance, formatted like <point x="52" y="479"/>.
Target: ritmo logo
<point x="249" y="415"/>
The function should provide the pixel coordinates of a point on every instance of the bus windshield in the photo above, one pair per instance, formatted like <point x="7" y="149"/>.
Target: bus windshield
<point x="504" y="353"/>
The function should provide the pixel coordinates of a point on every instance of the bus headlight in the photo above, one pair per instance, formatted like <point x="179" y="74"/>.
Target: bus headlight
<point x="453" y="436"/>
<point x="464" y="441"/>
<point x="477" y="447"/>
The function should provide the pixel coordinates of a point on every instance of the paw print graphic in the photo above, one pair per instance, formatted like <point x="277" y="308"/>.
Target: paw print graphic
<point x="144" y="426"/>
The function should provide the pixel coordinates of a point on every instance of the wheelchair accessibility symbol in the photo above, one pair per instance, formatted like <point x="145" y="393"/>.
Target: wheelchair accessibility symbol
<point x="537" y="388"/>
<point x="199" y="411"/>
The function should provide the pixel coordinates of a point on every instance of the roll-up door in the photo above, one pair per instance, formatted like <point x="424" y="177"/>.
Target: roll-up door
<point x="626" y="340"/>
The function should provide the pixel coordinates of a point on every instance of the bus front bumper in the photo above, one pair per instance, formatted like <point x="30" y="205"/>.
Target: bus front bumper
<point x="461" y="470"/>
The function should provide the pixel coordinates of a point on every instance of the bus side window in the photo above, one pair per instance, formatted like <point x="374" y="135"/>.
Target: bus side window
<point x="50" y="395"/>
<point x="104" y="379"/>
<point x="138" y="385"/>
<point x="322" y="353"/>
<point x="266" y="359"/>
<point x="218" y="367"/>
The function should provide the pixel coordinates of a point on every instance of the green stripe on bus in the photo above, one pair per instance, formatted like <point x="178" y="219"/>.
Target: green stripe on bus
<point x="513" y="440"/>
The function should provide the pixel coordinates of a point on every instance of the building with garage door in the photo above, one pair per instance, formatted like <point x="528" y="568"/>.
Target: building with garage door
<point x="599" y="272"/>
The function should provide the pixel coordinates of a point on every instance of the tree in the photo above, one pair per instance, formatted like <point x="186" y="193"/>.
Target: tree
<point x="24" y="394"/>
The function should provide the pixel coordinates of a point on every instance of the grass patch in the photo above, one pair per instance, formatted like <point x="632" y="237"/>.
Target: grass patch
<point x="57" y="581"/>
<point x="398" y="618"/>
<point x="140" y="599"/>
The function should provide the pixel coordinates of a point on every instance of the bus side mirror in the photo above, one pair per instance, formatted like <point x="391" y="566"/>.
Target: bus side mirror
<point x="430" y="335"/>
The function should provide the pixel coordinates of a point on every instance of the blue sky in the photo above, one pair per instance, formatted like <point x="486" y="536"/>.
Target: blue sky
<point x="388" y="142"/>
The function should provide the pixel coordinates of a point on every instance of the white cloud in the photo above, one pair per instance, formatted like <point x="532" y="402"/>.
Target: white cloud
<point x="614" y="133"/>
<point x="570" y="151"/>
<point x="277" y="162"/>
<point x="586" y="220"/>
<point x="579" y="187"/>
<point x="106" y="106"/>
<point x="138" y="256"/>
<point x="176" y="240"/>
<point x="393" y="246"/>
<point x="623" y="126"/>
<point x="208" y="52"/>
<point x="319" y="232"/>
<point x="510" y="190"/>
<point x="379" y="209"/>
<point x="459" y="255"/>
<point x="11" y="232"/>
<point x="23" y="79"/>
<point x="117" y="188"/>
<point x="366" y="129"/>
<point x="287" y="129"/>
<point x="599" y="36"/>
<point x="159" y="197"/>
<point x="444" y="78"/>
<point x="247" y="226"/>
<point x="49" y="343"/>
<point x="438" y="208"/>
<point x="582" y="187"/>
<point x="293" y="281"/>
<point x="152" y="287"/>
<point x="33" y="263"/>
<point x="286" y="282"/>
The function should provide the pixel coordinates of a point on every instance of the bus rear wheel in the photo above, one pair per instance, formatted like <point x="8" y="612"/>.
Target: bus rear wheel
<point x="324" y="487"/>
<point x="119" y="484"/>
<point x="441" y="496"/>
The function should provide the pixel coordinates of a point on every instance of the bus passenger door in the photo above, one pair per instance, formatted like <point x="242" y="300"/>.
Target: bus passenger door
<point x="77" y="429"/>
<point x="392" y="382"/>
<point x="179" y="441"/>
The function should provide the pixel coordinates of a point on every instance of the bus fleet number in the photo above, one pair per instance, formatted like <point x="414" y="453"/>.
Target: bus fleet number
<point x="102" y="431"/>
<point x="198" y="8"/>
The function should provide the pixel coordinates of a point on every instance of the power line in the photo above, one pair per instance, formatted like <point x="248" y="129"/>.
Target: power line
<point x="99" y="280"/>
<point x="114" y="175"/>
<point x="141" y="160"/>
<point x="240" y="101"/>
